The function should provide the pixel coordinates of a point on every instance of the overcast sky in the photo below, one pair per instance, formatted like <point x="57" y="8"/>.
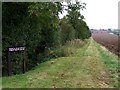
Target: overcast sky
<point x="101" y="14"/>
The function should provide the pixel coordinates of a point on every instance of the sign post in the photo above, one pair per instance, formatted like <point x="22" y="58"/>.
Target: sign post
<point x="17" y="49"/>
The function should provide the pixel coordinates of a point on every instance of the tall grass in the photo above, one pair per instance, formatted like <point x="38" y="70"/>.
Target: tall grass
<point x="68" y="49"/>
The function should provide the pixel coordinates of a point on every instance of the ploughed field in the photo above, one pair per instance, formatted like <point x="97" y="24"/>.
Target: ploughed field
<point x="110" y="41"/>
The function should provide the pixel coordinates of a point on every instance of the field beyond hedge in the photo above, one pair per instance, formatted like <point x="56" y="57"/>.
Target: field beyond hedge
<point x="92" y="66"/>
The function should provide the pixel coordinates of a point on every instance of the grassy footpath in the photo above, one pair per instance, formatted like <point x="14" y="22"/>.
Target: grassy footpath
<point x="111" y="62"/>
<point x="85" y="69"/>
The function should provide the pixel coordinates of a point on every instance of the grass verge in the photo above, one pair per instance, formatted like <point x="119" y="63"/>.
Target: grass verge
<point x="111" y="62"/>
<point x="57" y="72"/>
<point x="84" y="68"/>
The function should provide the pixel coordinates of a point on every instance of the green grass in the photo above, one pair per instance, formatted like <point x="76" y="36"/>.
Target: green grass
<point x="83" y="69"/>
<point x="49" y="73"/>
<point x="111" y="62"/>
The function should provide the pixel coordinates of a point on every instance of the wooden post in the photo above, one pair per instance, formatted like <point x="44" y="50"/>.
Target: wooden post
<point x="9" y="65"/>
<point x="24" y="61"/>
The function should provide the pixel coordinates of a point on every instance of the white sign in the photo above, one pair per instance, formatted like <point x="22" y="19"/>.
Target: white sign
<point x="17" y="49"/>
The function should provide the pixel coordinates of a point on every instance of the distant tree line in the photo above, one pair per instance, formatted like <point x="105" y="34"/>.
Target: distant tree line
<point x="37" y="26"/>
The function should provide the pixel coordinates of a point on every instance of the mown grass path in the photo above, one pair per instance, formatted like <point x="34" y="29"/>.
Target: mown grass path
<point x="83" y="70"/>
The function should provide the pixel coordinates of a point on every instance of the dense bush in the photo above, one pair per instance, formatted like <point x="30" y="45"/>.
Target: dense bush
<point x="67" y="31"/>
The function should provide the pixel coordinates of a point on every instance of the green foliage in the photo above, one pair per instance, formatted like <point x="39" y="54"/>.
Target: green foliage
<point x="67" y="31"/>
<point x="37" y="26"/>
<point x="14" y="27"/>
<point x="83" y="31"/>
<point x="33" y="25"/>
<point x="77" y="20"/>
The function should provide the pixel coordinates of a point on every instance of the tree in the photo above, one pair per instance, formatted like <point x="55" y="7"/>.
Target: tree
<point x="37" y="26"/>
<point x="77" y="20"/>
<point x="33" y="25"/>
<point x="67" y="31"/>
